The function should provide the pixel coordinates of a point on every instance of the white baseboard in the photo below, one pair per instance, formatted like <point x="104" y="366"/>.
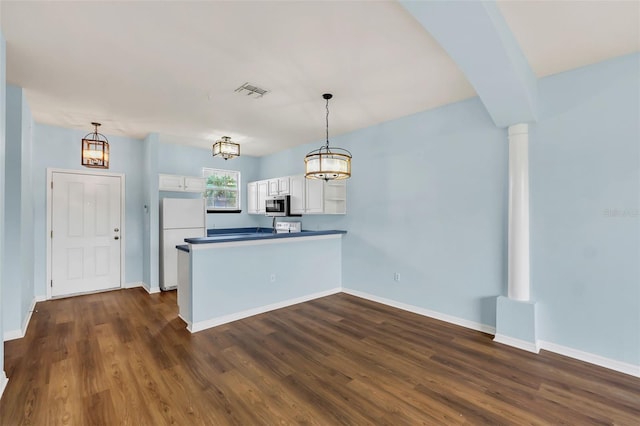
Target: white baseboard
<point x="3" y="382"/>
<point x="612" y="364"/>
<point x="19" y="334"/>
<point x="213" y="322"/>
<point x="12" y="335"/>
<point x="134" y="285"/>
<point x="517" y="343"/>
<point x="149" y="289"/>
<point x="424" y="312"/>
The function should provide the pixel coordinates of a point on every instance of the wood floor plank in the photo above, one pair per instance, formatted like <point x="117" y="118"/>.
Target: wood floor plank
<point x="125" y="358"/>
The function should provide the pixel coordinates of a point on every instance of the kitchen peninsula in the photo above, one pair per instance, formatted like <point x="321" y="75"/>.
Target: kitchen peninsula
<point x="235" y="273"/>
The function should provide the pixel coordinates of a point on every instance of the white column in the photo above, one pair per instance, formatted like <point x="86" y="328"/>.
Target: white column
<point x="518" y="212"/>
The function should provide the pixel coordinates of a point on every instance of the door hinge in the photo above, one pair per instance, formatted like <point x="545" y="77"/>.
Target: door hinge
<point x="51" y="234"/>
<point x="51" y="184"/>
<point x="51" y="283"/>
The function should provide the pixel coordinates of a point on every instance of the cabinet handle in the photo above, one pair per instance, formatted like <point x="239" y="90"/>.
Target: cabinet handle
<point x="116" y="238"/>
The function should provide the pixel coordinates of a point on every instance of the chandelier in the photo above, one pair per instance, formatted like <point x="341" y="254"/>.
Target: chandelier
<point x="328" y="163"/>
<point x="225" y="148"/>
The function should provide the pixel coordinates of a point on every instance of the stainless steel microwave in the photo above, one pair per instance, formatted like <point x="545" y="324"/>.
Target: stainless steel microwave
<point x="277" y="205"/>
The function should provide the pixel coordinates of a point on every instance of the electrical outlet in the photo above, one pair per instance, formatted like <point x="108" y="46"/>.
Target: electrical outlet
<point x="396" y="277"/>
<point x="272" y="278"/>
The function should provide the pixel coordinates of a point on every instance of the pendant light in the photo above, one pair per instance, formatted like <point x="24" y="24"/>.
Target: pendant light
<point x="226" y="149"/>
<point x="95" y="149"/>
<point x="328" y="163"/>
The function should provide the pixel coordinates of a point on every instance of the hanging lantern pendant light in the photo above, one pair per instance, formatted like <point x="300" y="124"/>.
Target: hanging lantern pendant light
<point x="95" y="149"/>
<point x="328" y="163"/>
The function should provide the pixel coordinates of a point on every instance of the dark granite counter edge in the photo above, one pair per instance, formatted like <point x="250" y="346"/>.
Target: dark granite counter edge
<point x="233" y="237"/>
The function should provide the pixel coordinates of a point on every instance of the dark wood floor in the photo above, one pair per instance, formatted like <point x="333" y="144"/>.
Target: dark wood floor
<point x="124" y="357"/>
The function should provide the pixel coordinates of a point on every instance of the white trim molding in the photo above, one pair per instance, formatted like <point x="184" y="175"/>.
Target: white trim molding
<point x="484" y="328"/>
<point x="517" y="343"/>
<point x="3" y="382"/>
<point x="213" y="322"/>
<point x="134" y="285"/>
<point x="612" y="364"/>
<point x="49" y="206"/>
<point x="20" y="333"/>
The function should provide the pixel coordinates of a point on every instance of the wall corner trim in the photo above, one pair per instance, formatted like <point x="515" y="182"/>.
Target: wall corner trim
<point x="148" y="288"/>
<point x="517" y="343"/>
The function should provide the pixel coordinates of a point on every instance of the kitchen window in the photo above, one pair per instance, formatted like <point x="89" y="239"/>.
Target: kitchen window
<point x="223" y="190"/>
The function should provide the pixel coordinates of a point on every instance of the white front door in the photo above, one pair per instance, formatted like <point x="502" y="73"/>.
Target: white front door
<point x="85" y="239"/>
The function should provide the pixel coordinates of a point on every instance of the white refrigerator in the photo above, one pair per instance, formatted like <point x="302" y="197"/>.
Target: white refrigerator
<point x="180" y="218"/>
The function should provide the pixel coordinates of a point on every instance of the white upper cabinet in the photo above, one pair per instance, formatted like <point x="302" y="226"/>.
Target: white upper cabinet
<point x="181" y="183"/>
<point x="307" y="196"/>
<point x="252" y="198"/>
<point x="314" y="197"/>
<point x="263" y="189"/>
<point x="297" y="194"/>
<point x="279" y="186"/>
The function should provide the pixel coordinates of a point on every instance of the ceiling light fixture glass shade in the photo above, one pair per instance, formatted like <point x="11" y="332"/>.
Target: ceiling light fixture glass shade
<point x="225" y="148"/>
<point x="95" y="149"/>
<point x="328" y="163"/>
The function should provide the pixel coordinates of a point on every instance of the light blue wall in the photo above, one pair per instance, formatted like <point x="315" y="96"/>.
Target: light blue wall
<point x="26" y="218"/>
<point x="58" y="147"/>
<point x="18" y="262"/>
<point x="435" y="209"/>
<point x="428" y="200"/>
<point x="585" y="201"/>
<point x="3" y="96"/>
<point x="11" y="268"/>
<point x="229" y="280"/>
<point x="189" y="161"/>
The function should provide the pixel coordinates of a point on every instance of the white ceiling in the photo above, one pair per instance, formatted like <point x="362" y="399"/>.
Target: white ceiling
<point x="172" y="67"/>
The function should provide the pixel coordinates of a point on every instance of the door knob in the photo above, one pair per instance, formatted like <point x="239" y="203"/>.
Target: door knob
<point x="116" y="238"/>
<point x="115" y="229"/>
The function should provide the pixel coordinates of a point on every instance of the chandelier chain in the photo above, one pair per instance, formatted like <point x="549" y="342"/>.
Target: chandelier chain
<point x="327" y="107"/>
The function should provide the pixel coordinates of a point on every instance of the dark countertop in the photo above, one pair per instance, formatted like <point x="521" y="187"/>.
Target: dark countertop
<point x="249" y="234"/>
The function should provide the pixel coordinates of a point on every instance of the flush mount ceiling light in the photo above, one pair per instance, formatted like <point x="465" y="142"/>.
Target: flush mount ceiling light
<point x="328" y="163"/>
<point x="95" y="149"/>
<point x="225" y="148"/>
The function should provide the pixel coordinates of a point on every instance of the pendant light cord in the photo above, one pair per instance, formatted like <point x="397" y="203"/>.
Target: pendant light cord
<point x="327" y="124"/>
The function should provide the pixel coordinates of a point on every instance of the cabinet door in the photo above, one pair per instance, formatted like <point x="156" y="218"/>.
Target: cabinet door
<point x="283" y="186"/>
<point x="195" y="184"/>
<point x="297" y="191"/>
<point x="252" y="198"/>
<point x="273" y="187"/>
<point x="335" y="197"/>
<point x="171" y="183"/>
<point x="314" y="196"/>
<point x="263" y="188"/>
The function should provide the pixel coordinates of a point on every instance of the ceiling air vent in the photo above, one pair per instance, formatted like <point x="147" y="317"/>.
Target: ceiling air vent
<point x="251" y="90"/>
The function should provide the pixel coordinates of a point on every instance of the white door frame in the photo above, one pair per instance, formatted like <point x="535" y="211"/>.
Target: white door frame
<point x="50" y="172"/>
